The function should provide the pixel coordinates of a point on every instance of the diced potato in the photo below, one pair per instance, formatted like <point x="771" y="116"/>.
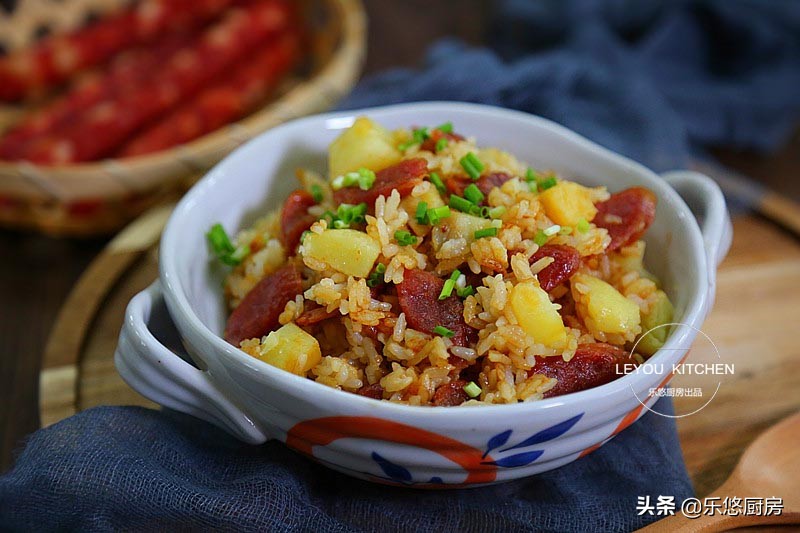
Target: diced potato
<point x="349" y="251"/>
<point x="537" y="315"/>
<point x="364" y="144"/>
<point x="605" y="306"/>
<point x="632" y="258"/>
<point x="463" y="226"/>
<point x="567" y="203"/>
<point x="660" y="313"/>
<point x="291" y="349"/>
<point x="409" y="203"/>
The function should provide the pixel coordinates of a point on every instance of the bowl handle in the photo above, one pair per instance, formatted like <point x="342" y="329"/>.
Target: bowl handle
<point x="705" y="199"/>
<point x="158" y="373"/>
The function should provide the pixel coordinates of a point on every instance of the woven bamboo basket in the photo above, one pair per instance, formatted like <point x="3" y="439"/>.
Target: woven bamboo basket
<point x="99" y="197"/>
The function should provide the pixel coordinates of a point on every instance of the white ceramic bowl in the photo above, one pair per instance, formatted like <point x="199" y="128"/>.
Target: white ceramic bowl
<point x="383" y="441"/>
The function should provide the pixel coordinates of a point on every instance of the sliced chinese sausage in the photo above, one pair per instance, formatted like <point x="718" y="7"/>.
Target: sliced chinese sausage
<point x="374" y="391"/>
<point x="450" y="394"/>
<point x="566" y="261"/>
<point x="314" y="316"/>
<point x="258" y="312"/>
<point x="592" y="365"/>
<point x="419" y="299"/>
<point x="403" y="176"/>
<point x="295" y="218"/>
<point x="457" y="184"/>
<point x="626" y="215"/>
<point x="430" y="143"/>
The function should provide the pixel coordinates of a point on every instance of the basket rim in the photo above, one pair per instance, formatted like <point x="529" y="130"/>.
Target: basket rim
<point x="139" y="175"/>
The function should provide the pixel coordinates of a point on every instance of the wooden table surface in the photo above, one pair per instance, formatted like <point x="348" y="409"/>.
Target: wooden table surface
<point x="37" y="272"/>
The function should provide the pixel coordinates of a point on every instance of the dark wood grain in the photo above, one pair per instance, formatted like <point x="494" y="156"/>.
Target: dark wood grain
<point x="36" y="273"/>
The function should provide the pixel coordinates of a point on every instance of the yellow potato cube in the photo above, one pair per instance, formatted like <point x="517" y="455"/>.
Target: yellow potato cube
<point x="364" y="144"/>
<point x="567" y="203"/>
<point x="291" y="349"/>
<point x="463" y="226"/>
<point x="537" y="315"/>
<point x="349" y="251"/>
<point x="659" y="314"/>
<point x="603" y="307"/>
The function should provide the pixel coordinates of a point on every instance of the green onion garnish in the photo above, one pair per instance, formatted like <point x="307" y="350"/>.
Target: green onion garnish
<point x="460" y="204"/>
<point x="418" y="136"/>
<point x="486" y="232"/>
<point x="447" y="127"/>
<point x="473" y="194"/>
<point x="345" y="215"/>
<point x="533" y="186"/>
<point x="466" y="291"/>
<point x="497" y="212"/>
<point x="436" y="214"/>
<point x="472" y="165"/>
<point x="455" y="275"/>
<point x="316" y="193"/>
<point x="404" y="238"/>
<point x="363" y="178"/>
<point x="422" y="213"/>
<point x="444" y="332"/>
<point x="565" y="230"/>
<point x="552" y="230"/>
<point x="530" y="175"/>
<point x="223" y="248"/>
<point x="376" y="277"/>
<point x="438" y="183"/>
<point x="441" y="144"/>
<point x="447" y="290"/>
<point x="540" y="238"/>
<point x="582" y="226"/>
<point x="472" y="389"/>
<point x="548" y="183"/>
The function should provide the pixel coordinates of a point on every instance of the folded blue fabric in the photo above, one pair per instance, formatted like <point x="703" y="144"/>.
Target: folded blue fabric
<point x="652" y="80"/>
<point x="130" y="468"/>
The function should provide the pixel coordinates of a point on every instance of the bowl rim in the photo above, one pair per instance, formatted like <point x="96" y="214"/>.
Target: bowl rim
<point x="188" y="323"/>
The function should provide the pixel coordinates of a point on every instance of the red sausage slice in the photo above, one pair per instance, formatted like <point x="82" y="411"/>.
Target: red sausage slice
<point x="374" y="391"/>
<point x="430" y="143"/>
<point x="450" y="394"/>
<point x="457" y="184"/>
<point x="626" y="215"/>
<point x="403" y="176"/>
<point x="258" y="312"/>
<point x="295" y="218"/>
<point x="419" y="299"/>
<point x="566" y="262"/>
<point x="592" y="365"/>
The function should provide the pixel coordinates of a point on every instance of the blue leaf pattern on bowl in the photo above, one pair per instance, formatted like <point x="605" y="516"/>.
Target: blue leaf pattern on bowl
<point x="547" y="434"/>
<point x="394" y="471"/>
<point x="520" y="459"/>
<point x="497" y="441"/>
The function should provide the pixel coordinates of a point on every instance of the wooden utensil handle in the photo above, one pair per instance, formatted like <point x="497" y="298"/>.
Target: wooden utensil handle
<point x="717" y="522"/>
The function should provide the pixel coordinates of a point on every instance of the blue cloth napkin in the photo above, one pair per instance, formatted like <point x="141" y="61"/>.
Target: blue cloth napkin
<point x="656" y="81"/>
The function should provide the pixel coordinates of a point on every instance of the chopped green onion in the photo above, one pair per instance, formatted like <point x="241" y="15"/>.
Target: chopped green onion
<point x="376" y="277"/>
<point x="438" y="183"/>
<point x="552" y="230"/>
<point x="363" y="178"/>
<point x="530" y="175"/>
<point x="582" y="226"/>
<point x="345" y="215"/>
<point x="444" y="332"/>
<point x="533" y="186"/>
<point x="486" y="232"/>
<point x="436" y="214"/>
<point x="420" y="135"/>
<point x="340" y="224"/>
<point x="460" y="204"/>
<point x="422" y="213"/>
<point x="483" y="212"/>
<point x="565" y="230"/>
<point x="223" y="248"/>
<point x="472" y="165"/>
<point x="447" y="290"/>
<point x="472" y="389"/>
<point x="473" y="194"/>
<point x="466" y="291"/>
<point x="497" y="212"/>
<point x="540" y="238"/>
<point x="548" y="183"/>
<point x="441" y="144"/>
<point x="304" y="235"/>
<point x="447" y="127"/>
<point x="455" y="275"/>
<point x="405" y="146"/>
<point x="316" y="193"/>
<point x="404" y="238"/>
